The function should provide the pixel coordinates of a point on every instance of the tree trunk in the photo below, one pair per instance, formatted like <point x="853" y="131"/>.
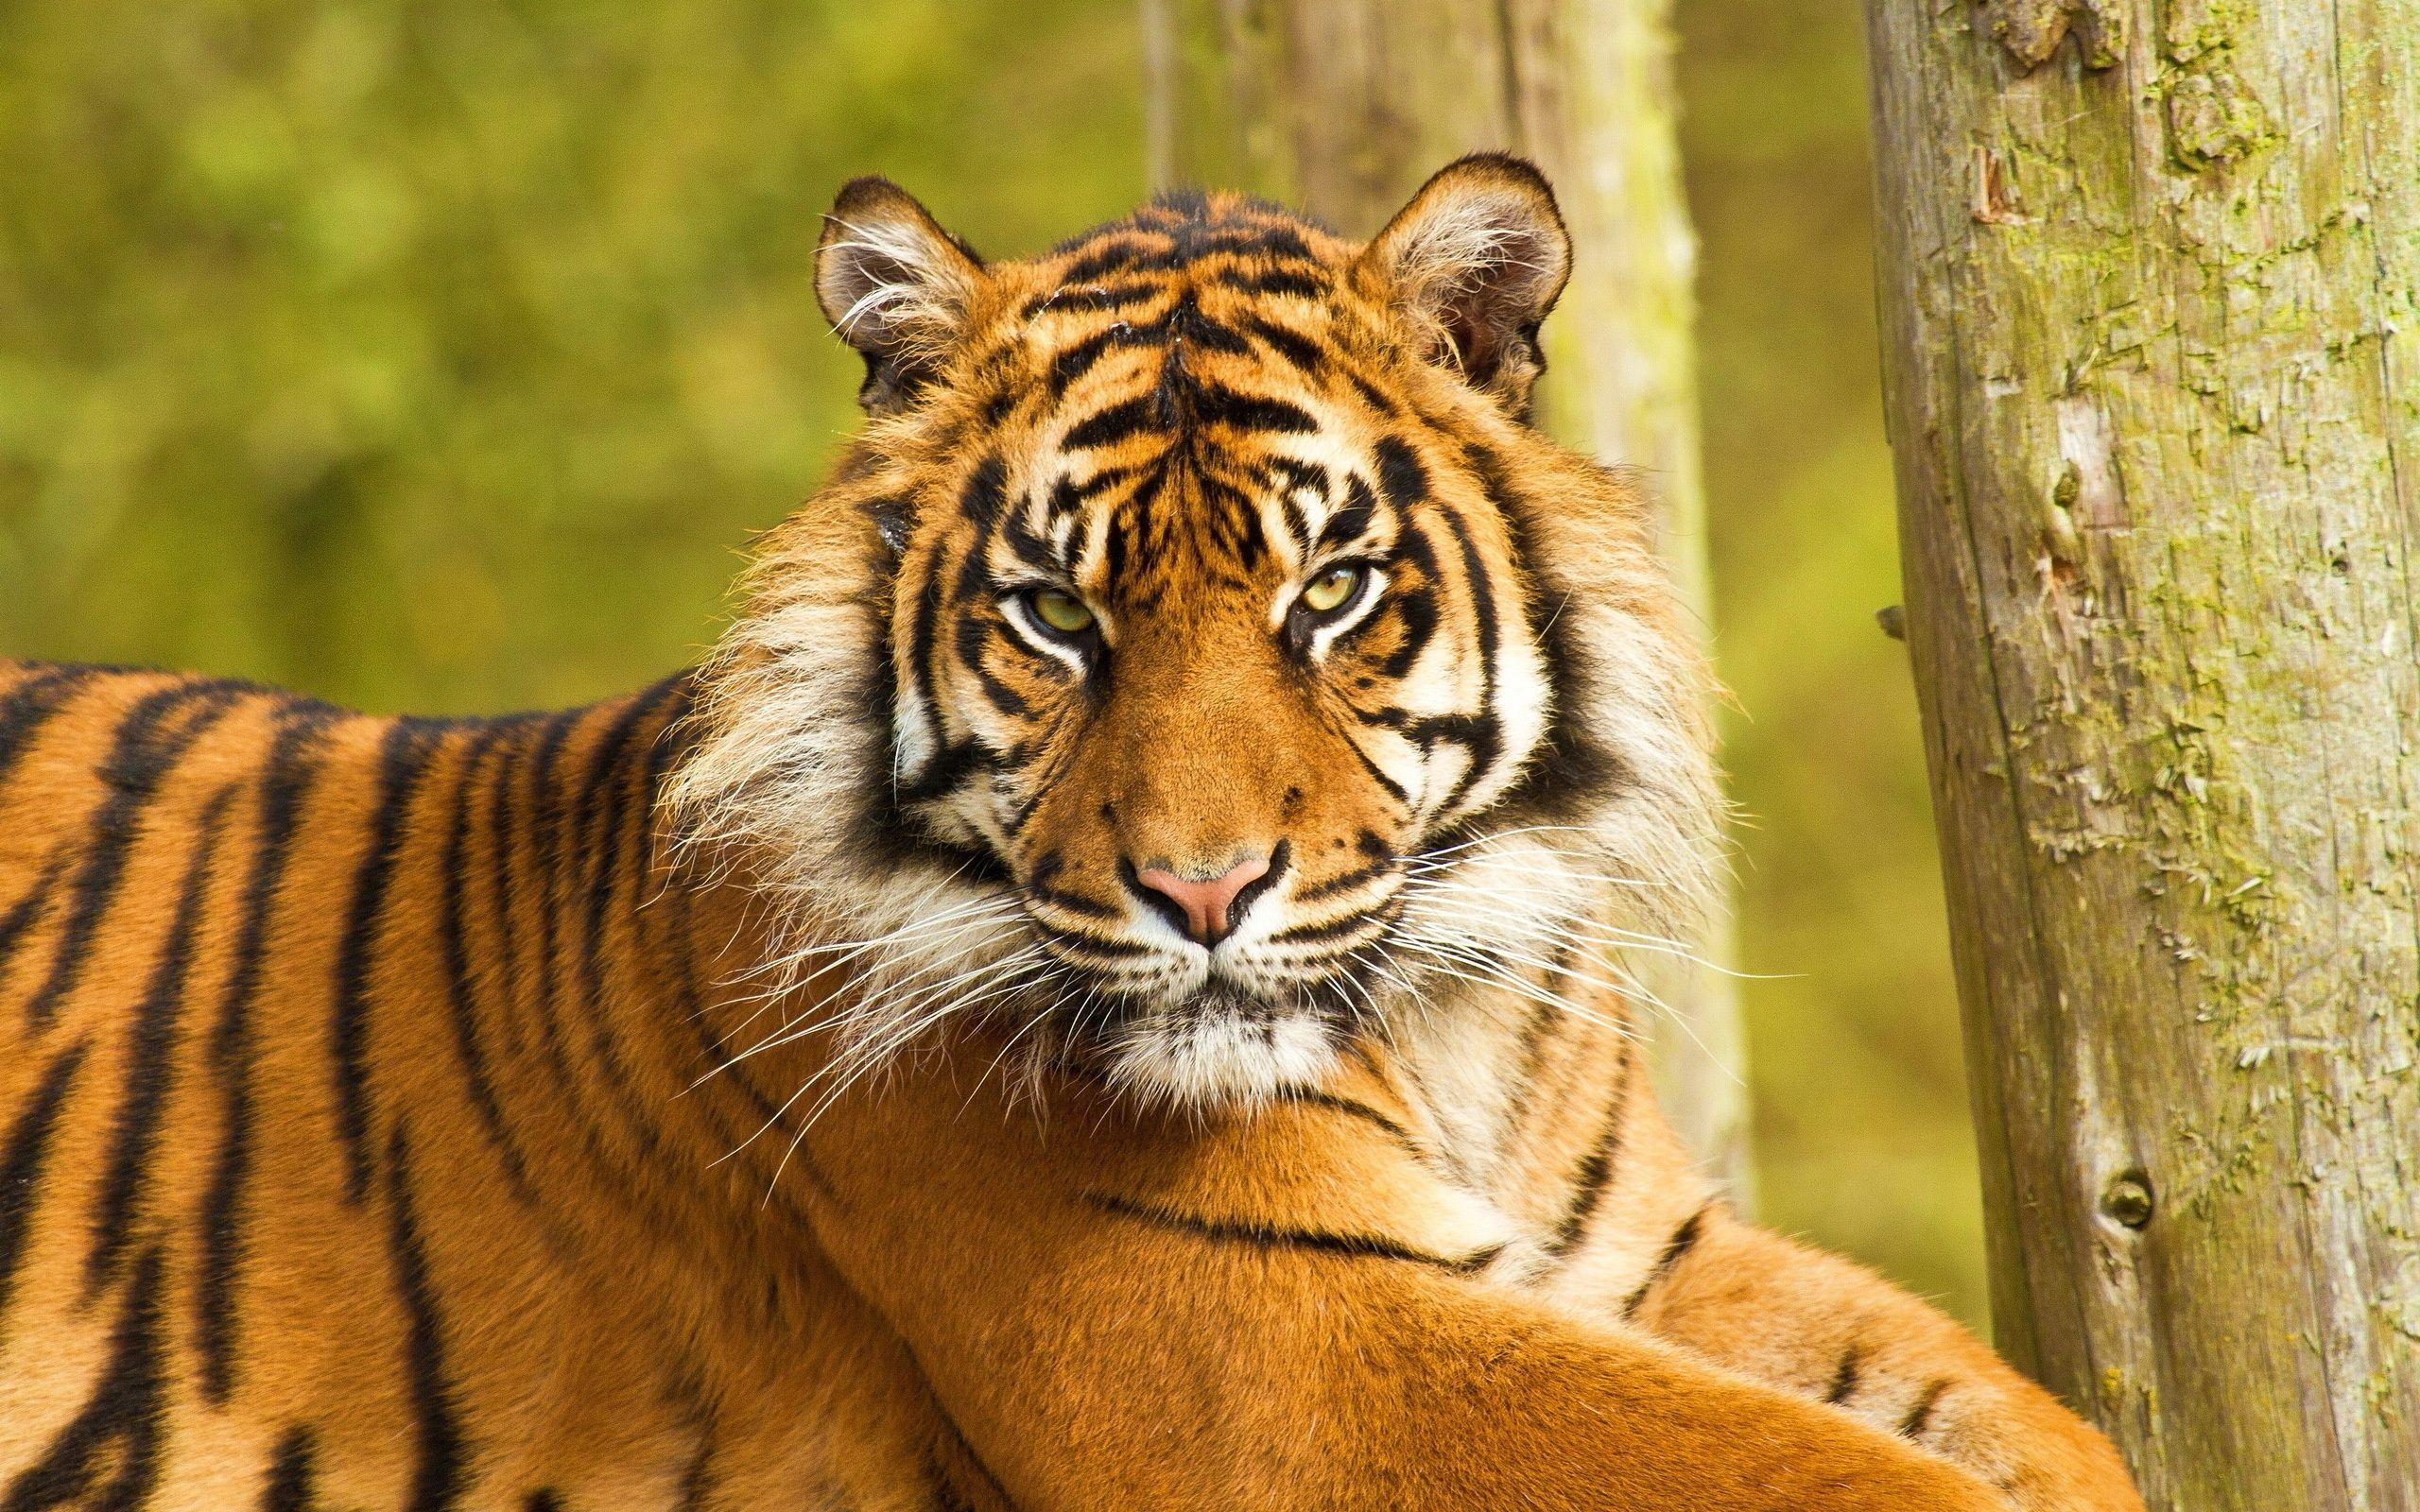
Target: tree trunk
<point x="1345" y="107"/>
<point x="2148" y="275"/>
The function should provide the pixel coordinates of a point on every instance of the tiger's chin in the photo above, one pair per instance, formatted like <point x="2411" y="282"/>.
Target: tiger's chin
<point x="1218" y="1048"/>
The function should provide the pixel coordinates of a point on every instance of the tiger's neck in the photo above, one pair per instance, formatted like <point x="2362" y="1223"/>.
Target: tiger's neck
<point x="593" y="993"/>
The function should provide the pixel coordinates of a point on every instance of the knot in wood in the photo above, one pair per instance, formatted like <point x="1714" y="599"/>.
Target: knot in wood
<point x="2127" y="1201"/>
<point x="2032" y="30"/>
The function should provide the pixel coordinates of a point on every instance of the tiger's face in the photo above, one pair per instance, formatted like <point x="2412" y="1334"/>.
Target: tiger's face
<point x="1174" y="670"/>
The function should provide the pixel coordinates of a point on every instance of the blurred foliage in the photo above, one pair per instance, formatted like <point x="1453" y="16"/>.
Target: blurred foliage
<point x="1862" y="1137"/>
<point x="441" y="355"/>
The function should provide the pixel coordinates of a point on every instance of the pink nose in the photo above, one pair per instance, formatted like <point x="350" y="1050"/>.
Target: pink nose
<point x="1208" y="905"/>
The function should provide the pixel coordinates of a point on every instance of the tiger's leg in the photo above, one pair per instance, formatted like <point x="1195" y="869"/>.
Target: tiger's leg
<point x="1633" y="1232"/>
<point x="1655" y="1246"/>
<point x="1286" y="1309"/>
<point x="1825" y="1328"/>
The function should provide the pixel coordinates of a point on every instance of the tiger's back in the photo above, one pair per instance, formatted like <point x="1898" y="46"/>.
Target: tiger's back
<point x="240" y="935"/>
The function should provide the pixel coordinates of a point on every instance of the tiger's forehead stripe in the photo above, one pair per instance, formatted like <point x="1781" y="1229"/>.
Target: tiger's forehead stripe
<point x="1171" y="397"/>
<point x="1182" y="413"/>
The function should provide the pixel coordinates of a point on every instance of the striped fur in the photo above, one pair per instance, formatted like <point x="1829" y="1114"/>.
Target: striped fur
<point x="776" y="1088"/>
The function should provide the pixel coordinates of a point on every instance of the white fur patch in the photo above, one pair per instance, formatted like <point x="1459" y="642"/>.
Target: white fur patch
<point x="1196" y="1059"/>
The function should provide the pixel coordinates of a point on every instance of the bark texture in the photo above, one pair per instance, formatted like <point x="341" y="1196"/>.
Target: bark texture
<point x="2148" y="277"/>
<point x="1343" y="107"/>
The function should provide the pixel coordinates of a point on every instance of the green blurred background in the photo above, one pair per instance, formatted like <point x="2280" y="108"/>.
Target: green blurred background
<point x="442" y="354"/>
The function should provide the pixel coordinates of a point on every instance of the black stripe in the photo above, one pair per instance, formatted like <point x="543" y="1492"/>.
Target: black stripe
<point x="1303" y="353"/>
<point x="1117" y="422"/>
<point x="1547" y="1013"/>
<point x="1415" y="611"/>
<point x="1354" y="516"/>
<point x="1480" y="733"/>
<point x="985" y="493"/>
<point x="543" y="820"/>
<point x="27" y="909"/>
<point x="1025" y="545"/>
<point x="1185" y="323"/>
<point x="1375" y="397"/>
<point x="1181" y="322"/>
<point x="1920" y="1415"/>
<point x="144" y="751"/>
<point x="401" y="754"/>
<point x="1352" y="1108"/>
<point x="1381" y="861"/>
<point x="438" y="1448"/>
<point x="1375" y="773"/>
<point x="1676" y="1249"/>
<point x="1570" y="765"/>
<point x="118" y="1428"/>
<point x="462" y="994"/>
<point x="1077" y="946"/>
<point x="1416" y="603"/>
<point x="953" y="1453"/>
<point x="286" y="777"/>
<point x="501" y="811"/>
<point x="1844" y="1380"/>
<point x="290" y="1479"/>
<point x="1313" y="934"/>
<point x="1123" y="255"/>
<point x="947" y="769"/>
<point x="1216" y="404"/>
<point x="974" y="636"/>
<point x="924" y="637"/>
<point x="1542" y="1016"/>
<point x="1402" y="478"/>
<point x="1264" y="238"/>
<point x="1357" y="1245"/>
<point x="1099" y="296"/>
<point x="29" y="707"/>
<point x="542" y="1500"/>
<point x="1155" y="240"/>
<point x="1595" y="1175"/>
<point x="536" y="867"/>
<point x="22" y="1160"/>
<point x="1273" y="281"/>
<point x="1081" y="357"/>
<point x="151" y="1063"/>
<point x="1067" y="494"/>
<point x="620" y="767"/>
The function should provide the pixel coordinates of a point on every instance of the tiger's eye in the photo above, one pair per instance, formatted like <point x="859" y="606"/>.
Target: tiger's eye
<point x="1064" y="613"/>
<point x="1332" y="589"/>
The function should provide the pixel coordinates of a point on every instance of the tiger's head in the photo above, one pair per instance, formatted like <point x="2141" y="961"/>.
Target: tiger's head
<point x="1199" y="656"/>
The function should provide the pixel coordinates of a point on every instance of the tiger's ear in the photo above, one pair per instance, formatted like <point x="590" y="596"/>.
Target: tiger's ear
<point x="894" y="285"/>
<point x="1475" y="261"/>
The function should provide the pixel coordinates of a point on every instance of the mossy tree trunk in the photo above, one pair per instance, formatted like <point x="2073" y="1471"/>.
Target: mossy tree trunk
<point x="2148" y="288"/>
<point x="1343" y="107"/>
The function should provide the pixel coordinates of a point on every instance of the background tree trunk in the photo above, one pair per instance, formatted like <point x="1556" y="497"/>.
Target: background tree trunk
<point x="2148" y="275"/>
<point x="1343" y="107"/>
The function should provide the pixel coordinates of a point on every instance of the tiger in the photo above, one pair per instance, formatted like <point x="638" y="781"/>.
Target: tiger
<point x="1113" y="985"/>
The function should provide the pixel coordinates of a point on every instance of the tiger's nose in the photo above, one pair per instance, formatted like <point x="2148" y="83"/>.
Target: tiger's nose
<point x="1205" y="906"/>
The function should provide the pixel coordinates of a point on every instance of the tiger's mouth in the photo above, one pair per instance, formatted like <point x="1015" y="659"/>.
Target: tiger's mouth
<point x="1244" y="1021"/>
<point x="1219" y="1045"/>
